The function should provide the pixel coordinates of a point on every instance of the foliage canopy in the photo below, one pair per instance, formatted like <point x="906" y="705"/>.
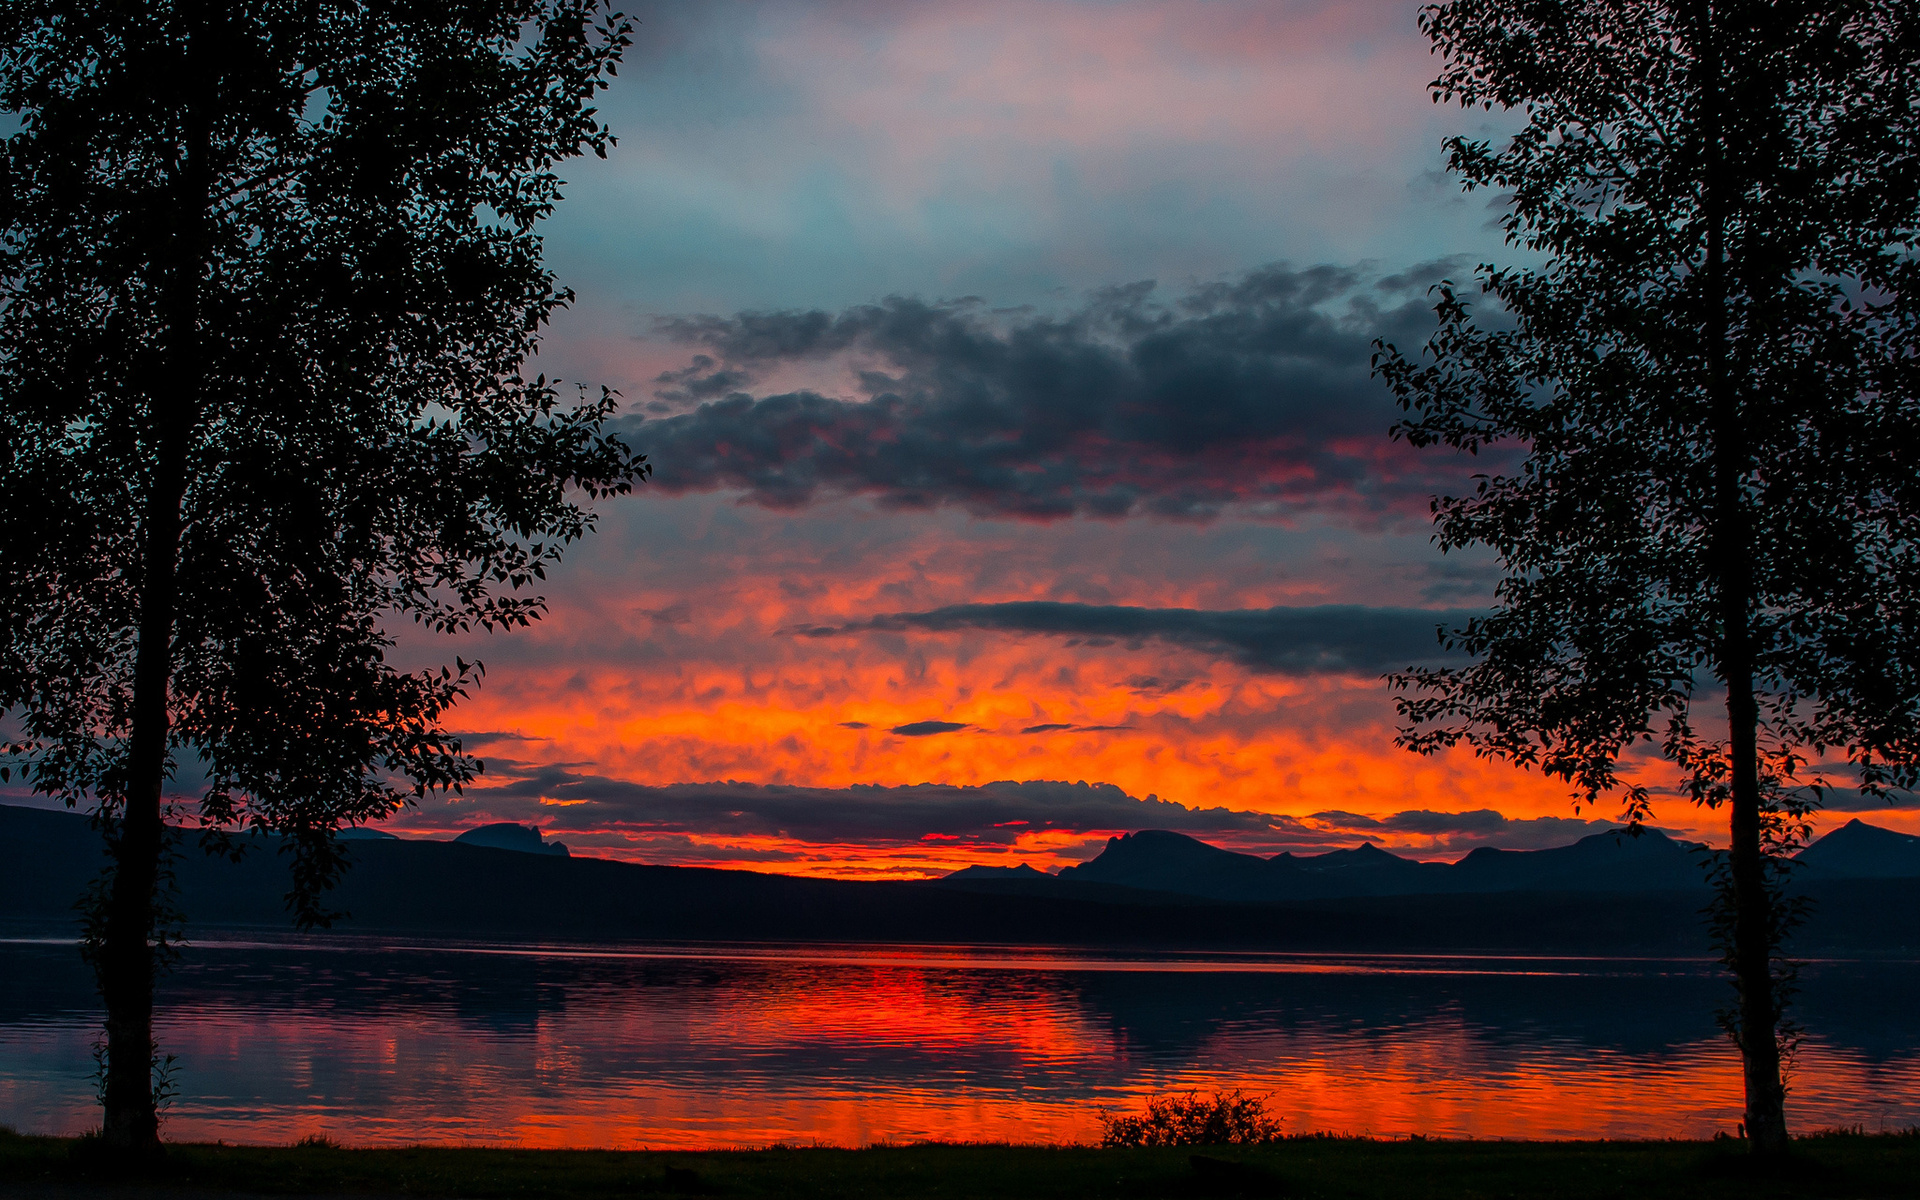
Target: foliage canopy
<point x="269" y="273"/>
<point x="1608" y="623"/>
<point x="1705" y="404"/>
<point x="281" y="259"/>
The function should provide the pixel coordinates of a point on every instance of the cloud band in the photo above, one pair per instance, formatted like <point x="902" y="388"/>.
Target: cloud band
<point x="1307" y="640"/>
<point x="1254" y="392"/>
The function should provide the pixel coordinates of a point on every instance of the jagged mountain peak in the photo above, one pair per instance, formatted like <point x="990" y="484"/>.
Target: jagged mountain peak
<point x="1861" y="851"/>
<point x="1023" y="871"/>
<point x="510" y="835"/>
<point x="1162" y="860"/>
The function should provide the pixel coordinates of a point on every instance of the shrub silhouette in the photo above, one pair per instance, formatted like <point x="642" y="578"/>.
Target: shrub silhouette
<point x="1222" y="1119"/>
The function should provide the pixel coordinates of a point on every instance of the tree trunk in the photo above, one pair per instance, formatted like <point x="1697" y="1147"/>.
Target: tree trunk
<point x="130" y="1123"/>
<point x="1751" y="952"/>
<point x="126" y="958"/>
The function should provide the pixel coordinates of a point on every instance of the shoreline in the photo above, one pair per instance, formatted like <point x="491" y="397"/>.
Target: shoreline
<point x="1831" y="1163"/>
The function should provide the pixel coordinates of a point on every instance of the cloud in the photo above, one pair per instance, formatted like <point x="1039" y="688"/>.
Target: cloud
<point x="1856" y="800"/>
<point x="1252" y="393"/>
<point x="1314" y="640"/>
<point x="1478" y="822"/>
<point x="871" y="814"/>
<point x="1461" y="830"/>
<point x="927" y="728"/>
<point x="681" y="850"/>
<point x="782" y="822"/>
<point x="474" y="740"/>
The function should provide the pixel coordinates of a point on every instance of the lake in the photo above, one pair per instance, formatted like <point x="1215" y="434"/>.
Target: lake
<point x="382" y="1041"/>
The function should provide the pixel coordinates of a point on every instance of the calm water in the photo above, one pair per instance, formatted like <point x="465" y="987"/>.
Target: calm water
<point x="378" y="1041"/>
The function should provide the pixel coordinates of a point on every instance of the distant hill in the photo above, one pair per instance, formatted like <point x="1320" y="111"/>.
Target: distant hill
<point x="1162" y="861"/>
<point x="463" y="890"/>
<point x="1858" y="850"/>
<point x="506" y="835"/>
<point x="1607" y="862"/>
<point x="1023" y="871"/>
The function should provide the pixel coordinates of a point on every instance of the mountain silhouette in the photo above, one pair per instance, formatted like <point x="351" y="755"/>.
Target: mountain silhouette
<point x="506" y="835"/>
<point x="434" y="889"/>
<point x="1616" y="861"/>
<point x="1160" y="860"/>
<point x="1858" y="850"/>
<point x="1023" y="871"/>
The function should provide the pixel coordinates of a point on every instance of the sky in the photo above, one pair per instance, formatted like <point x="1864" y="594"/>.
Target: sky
<point x="1019" y="479"/>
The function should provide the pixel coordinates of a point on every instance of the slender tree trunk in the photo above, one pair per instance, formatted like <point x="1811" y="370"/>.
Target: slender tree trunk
<point x="130" y="1124"/>
<point x="1732" y="548"/>
<point x="126" y="957"/>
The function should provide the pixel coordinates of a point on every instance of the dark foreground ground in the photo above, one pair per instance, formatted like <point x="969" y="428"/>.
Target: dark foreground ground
<point x="1837" y="1166"/>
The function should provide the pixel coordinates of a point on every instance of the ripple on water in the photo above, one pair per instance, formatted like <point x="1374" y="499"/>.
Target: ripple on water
<point x="387" y="1042"/>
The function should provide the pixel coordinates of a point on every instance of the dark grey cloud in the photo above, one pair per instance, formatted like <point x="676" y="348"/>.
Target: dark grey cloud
<point x="1465" y="830"/>
<point x="701" y="379"/>
<point x="1460" y="577"/>
<point x="879" y="815"/>
<point x="1249" y="392"/>
<point x="588" y="810"/>
<point x="1833" y="786"/>
<point x="1853" y="799"/>
<point x="1478" y="821"/>
<point x="475" y="739"/>
<point x="927" y="728"/>
<point x="1324" y="639"/>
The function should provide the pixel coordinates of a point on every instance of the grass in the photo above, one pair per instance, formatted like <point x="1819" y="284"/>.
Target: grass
<point x="1842" y="1164"/>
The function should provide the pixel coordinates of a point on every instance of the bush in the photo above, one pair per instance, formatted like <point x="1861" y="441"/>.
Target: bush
<point x="1222" y="1119"/>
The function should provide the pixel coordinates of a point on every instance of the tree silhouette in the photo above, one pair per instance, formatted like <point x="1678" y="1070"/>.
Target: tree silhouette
<point x="270" y="274"/>
<point x="1708" y="392"/>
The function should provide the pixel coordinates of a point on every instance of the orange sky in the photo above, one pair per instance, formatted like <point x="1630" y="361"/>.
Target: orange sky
<point x="1156" y="239"/>
<point x="674" y="655"/>
<point x="1266" y="182"/>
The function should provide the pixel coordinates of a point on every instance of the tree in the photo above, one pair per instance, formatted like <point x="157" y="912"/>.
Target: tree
<point x="270" y="275"/>
<point x="1703" y="401"/>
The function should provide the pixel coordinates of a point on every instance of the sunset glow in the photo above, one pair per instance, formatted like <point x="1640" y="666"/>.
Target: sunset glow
<point x="704" y="642"/>
<point x="972" y="306"/>
<point x="933" y="598"/>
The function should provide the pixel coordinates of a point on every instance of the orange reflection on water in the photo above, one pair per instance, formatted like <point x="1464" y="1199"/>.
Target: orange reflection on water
<point x="1441" y="1084"/>
<point x="397" y="1044"/>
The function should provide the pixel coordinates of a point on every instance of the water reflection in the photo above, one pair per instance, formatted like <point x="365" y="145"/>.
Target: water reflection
<point x="377" y="1041"/>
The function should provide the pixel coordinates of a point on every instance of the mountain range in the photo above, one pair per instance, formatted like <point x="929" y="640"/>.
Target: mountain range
<point x="1158" y="860"/>
<point x="1636" y="896"/>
